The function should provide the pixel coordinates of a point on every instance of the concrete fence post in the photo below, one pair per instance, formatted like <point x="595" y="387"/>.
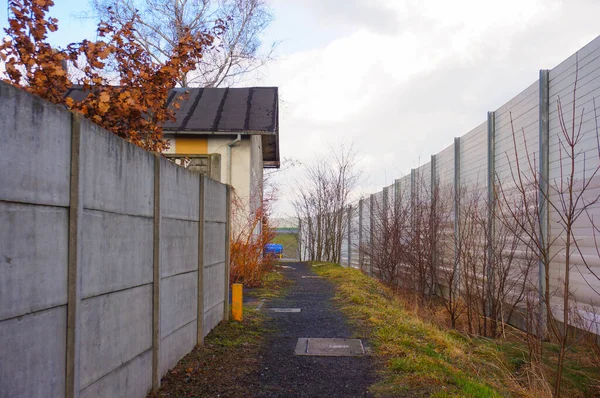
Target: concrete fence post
<point x="457" y="193"/>
<point x="361" y="252"/>
<point x="227" y="251"/>
<point x="201" y="218"/>
<point x="544" y="176"/>
<point x="72" y="378"/>
<point x="156" y="279"/>
<point x="491" y="216"/>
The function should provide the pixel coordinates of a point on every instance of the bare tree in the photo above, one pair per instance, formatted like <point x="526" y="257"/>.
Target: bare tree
<point x="162" y="22"/>
<point x="387" y="250"/>
<point x="570" y="197"/>
<point x="322" y="198"/>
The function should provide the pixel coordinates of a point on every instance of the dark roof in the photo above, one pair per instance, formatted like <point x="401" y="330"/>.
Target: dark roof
<point x="219" y="111"/>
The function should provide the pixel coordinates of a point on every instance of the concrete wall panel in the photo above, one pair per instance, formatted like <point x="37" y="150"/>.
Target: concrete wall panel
<point x="178" y="246"/>
<point x="117" y="252"/>
<point x="179" y="302"/>
<point x="36" y="148"/>
<point x="133" y="379"/>
<point x="32" y="355"/>
<point x="215" y="208"/>
<point x="214" y="285"/>
<point x="179" y="192"/>
<point x="33" y="258"/>
<point x="212" y="317"/>
<point x="214" y="243"/>
<point x="177" y="345"/>
<point x="117" y="176"/>
<point x="115" y="328"/>
<point x="115" y="255"/>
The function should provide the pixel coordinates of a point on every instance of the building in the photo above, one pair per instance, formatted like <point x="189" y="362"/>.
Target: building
<point x="230" y="134"/>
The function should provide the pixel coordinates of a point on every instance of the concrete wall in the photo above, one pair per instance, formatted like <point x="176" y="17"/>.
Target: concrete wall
<point x="101" y="244"/>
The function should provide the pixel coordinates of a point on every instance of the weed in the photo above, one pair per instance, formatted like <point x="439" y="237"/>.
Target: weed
<point x="423" y="359"/>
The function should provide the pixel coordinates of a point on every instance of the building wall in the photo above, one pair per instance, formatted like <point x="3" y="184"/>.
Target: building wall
<point x="240" y="175"/>
<point x="246" y="165"/>
<point x="103" y="239"/>
<point x="188" y="146"/>
<point x="256" y="177"/>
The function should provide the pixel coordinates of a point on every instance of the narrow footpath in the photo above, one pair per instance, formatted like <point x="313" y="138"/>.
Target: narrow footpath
<point x="285" y="374"/>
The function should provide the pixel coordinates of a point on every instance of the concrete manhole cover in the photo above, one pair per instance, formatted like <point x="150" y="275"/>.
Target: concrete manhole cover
<point x="330" y="347"/>
<point x="311" y="277"/>
<point x="285" y="309"/>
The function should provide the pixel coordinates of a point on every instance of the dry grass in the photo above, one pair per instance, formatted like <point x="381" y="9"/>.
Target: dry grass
<point x="422" y="358"/>
<point x="223" y="366"/>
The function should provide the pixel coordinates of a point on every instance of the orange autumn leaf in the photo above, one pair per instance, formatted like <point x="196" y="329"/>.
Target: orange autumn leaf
<point x="137" y="109"/>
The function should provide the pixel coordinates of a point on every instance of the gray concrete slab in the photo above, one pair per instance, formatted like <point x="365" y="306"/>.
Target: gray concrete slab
<point x="329" y="347"/>
<point x="36" y="149"/>
<point x="285" y="309"/>
<point x="178" y="302"/>
<point x="117" y="176"/>
<point x="212" y="317"/>
<point x="116" y="252"/>
<point x="115" y="328"/>
<point x="214" y="285"/>
<point x="215" y="208"/>
<point x="128" y="380"/>
<point x="33" y="258"/>
<point x="176" y="345"/>
<point x="178" y="246"/>
<point x="311" y="277"/>
<point x="32" y="354"/>
<point x="214" y="243"/>
<point x="179" y="192"/>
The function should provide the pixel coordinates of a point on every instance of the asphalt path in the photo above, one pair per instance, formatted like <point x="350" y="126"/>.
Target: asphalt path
<point x="284" y="374"/>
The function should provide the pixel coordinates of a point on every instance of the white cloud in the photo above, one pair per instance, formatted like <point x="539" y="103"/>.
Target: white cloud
<point x="401" y="94"/>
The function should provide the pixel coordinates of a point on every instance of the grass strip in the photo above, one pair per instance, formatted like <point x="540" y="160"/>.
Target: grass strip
<point x="226" y="364"/>
<point x="418" y="358"/>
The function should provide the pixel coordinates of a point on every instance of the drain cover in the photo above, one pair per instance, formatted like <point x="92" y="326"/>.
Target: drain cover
<point x="285" y="309"/>
<point x="330" y="347"/>
<point x="311" y="277"/>
<point x="287" y="267"/>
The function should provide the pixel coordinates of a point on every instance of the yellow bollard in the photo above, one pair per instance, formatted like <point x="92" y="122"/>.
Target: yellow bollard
<point x="236" y="301"/>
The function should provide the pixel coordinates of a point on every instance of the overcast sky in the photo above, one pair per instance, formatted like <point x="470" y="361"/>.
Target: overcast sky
<point x="398" y="79"/>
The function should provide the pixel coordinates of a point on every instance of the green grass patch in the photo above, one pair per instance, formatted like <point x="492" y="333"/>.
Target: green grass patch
<point x="225" y="365"/>
<point x="422" y="359"/>
<point x="274" y="285"/>
<point x="418" y="357"/>
<point x="289" y="242"/>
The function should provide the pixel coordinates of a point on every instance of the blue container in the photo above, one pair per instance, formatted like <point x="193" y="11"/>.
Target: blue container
<point x="273" y="248"/>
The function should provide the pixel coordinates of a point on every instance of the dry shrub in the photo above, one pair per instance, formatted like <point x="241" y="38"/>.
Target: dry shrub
<point x="250" y="233"/>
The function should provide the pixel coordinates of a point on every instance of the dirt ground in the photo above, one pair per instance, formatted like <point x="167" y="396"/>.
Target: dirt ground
<point x="255" y="358"/>
<point x="283" y="374"/>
